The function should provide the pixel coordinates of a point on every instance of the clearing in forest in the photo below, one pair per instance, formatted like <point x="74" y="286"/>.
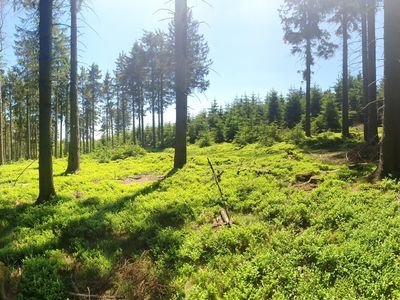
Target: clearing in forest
<point x="302" y="226"/>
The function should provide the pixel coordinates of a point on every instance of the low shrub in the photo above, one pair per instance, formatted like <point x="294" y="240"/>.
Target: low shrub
<point x="42" y="277"/>
<point x="205" y="140"/>
<point x="106" y="154"/>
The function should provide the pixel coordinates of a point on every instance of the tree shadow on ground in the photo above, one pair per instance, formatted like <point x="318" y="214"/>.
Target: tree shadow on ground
<point x="336" y="150"/>
<point x="93" y="231"/>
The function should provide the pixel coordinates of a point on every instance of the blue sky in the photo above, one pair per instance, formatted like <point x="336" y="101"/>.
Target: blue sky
<point x="245" y="39"/>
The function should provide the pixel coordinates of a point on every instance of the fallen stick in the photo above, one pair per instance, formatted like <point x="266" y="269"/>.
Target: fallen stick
<point x="224" y="212"/>
<point x="15" y="182"/>
<point x="215" y="177"/>
<point x="225" y="217"/>
<point x="89" y="296"/>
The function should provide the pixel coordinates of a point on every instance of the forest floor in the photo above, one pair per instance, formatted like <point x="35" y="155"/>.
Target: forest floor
<point x="307" y="224"/>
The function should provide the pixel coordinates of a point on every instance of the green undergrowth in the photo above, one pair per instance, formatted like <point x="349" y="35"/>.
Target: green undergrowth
<point x="136" y="228"/>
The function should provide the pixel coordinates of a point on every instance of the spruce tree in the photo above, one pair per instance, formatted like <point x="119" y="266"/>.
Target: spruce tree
<point x="302" y="29"/>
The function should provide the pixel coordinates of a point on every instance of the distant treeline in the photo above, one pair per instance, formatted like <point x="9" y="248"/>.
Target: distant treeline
<point x="247" y="119"/>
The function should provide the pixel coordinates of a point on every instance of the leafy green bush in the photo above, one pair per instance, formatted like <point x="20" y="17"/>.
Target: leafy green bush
<point x="162" y="237"/>
<point x="270" y="134"/>
<point x="246" y="135"/>
<point x="106" y="154"/>
<point x="329" y="119"/>
<point x="205" y="139"/>
<point x="94" y="269"/>
<point x="42" y="277"/>
<point x="295" y="135"/>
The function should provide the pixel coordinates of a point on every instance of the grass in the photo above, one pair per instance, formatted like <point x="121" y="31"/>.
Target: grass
<point x="337" y="237"/>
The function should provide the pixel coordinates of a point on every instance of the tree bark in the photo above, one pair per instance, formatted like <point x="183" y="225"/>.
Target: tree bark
<point x="123" y="119"/>
<point x="74" y="140"/>
<point x="56" y="125"/>
<point x="133" y="122"/>
<point x="162" y="119"/>
<point x="112" y="129"/>
<point x="180" y="158"/>
<point x="61" y="134"/>
<point x="11" y="148"/>
<point x="390" y="159"/>
<point x="1" y="125"/>
<point x="46" y="185"/>
<point x="345" y="79"/>
<point x="93" y="122"/>
<point x="364" y="41"/>
<point x="118" y="118"/>
<point x="308" y="89"/>
<point x="28" y="129"/>
<point x="153" y="108"/>
<point x="372" y="107"/>
<point x="87" y="142"/>
<point x="142" y="138"/>
<point x="153" y="112"/>
<point x="66" y="125"/>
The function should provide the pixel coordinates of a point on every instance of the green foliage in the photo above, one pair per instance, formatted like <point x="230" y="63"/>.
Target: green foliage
<point x="293" y="110"/>
<point x="274" y="110"/>
<point x="329" y="120"/>
<point x="169" y="135"/>
<point x="42" y="277"/>
<point x="205" y="139"/>
<point x="219" y="132"/>
<point x="270" y="134"/>
<point x="118" y="226"/>
<point x="106" y="154"/>
<point x="316" y="99"/>
<point x="295" y="135"/>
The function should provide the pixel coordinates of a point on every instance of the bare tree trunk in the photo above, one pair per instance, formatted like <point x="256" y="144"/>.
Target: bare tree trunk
<point x="6" y="156"/>
<point x="133" y="122"/>
<point x="118" y="119"/>
<point x="308" y="89"/>
<point x="74" y="140"/>
<point x="123" y="120"/>
<point x="56" y="125"/>
<point x="87" y="131"/>
<point x="159" y="120"/>
<point x="2" y="140"/>
<point x="28" y="129"/>
<point x="364" y="38"/>
<point x="107" y="118"/>
<point x="345" y="79"/>
<point x="162" y="113"/>
<point x="139" y="121"/>
<point x="61" y="133"/>
<point x="112" y="129"/>
<point x="11" y="148"/>
<point x="153" y="109"/>
<point x="93" y="117"/>
<point x="153" y="112"/>
<point x="1" y="125"/>
<point x="142" y="138"/>
<point x="372" y="107"/>
<point x="66" y="145"/>
<point x="180" y="158"/>
<point x="35" y="141"/>
<point x="46" y="185"/>
<point x="390" y="159"/>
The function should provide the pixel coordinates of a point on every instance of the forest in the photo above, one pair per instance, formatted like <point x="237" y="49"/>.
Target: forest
<point x="289" y="195"/>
